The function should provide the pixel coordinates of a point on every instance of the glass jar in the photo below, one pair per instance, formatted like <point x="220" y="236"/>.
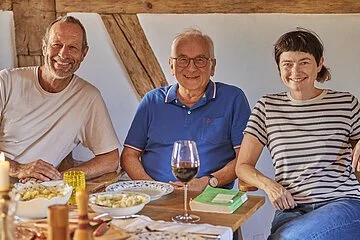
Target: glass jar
<point x="75" y="179"/>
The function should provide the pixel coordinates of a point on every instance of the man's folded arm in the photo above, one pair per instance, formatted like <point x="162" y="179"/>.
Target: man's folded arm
<point x="130" y="162"/>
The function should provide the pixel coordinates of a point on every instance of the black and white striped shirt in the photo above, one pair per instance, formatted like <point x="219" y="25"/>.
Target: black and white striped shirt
<point x="309" y="143"/>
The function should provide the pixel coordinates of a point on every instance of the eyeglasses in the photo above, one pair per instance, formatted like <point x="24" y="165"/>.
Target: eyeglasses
<point x="183" y="62"/>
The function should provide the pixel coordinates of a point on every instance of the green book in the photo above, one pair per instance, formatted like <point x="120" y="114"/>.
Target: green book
<point x="218" y="200"/>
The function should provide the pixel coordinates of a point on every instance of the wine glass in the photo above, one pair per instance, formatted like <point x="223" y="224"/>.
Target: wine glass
<point x="185" y="164"/>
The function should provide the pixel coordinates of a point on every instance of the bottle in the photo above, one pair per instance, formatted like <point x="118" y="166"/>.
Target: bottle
<point x="58" y="222"/>
<point x="83" y="231"/>
<point x="8" y="202"/>
<point x="7" y="211"/>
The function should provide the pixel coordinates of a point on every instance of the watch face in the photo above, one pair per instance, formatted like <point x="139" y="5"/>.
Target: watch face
<point x="213" y="182"/>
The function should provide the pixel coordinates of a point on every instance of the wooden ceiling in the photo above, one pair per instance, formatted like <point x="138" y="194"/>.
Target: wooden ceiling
<point x="32" y="16"/>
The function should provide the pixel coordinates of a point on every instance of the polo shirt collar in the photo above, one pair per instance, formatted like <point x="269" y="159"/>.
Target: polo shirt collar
<point x="210" y="92"/>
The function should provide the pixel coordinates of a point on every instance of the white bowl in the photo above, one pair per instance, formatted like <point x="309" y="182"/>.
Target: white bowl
<point x="37" y="207"/>
<point x="118" y="211"/>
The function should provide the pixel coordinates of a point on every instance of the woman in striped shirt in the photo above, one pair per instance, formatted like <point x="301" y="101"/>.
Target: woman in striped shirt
<point x="313" y="137"/>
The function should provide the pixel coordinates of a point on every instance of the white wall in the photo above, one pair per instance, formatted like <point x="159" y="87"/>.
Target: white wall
<point x="7" y="40"/>
<point x="243" y="48"/>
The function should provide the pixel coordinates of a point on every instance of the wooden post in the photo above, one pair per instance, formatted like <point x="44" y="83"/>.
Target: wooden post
<point x="31" y="19"/>
<point x="6" y="5"/>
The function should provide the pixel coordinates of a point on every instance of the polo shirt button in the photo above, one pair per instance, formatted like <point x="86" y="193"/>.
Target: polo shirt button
<point x="183" y="106"/>
<point x="189" y="112"/>
<point x="175" y="101"/>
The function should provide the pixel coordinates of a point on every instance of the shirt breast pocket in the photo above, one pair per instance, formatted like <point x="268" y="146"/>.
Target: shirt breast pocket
<point x="215" y="130"/>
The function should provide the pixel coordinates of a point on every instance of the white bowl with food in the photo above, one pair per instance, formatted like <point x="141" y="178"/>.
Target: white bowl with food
<point x="35" y="198"/>
<point x="120" y="203"/>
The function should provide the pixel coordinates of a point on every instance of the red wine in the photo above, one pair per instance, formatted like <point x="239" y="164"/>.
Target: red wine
<point x="185" y="174"/>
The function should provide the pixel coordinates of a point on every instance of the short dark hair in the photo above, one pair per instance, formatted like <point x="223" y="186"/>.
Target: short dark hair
<point x="67" y="19"/>
<point x="302" y="40"/>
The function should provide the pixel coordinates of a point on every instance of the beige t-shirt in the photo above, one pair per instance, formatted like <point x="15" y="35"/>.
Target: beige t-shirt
<point x="36" y="124"/>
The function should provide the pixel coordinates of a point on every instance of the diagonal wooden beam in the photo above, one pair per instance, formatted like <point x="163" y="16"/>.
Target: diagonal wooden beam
<point x="138" y="75"/>
<point x="130" y="26"/>
<point x="209" y="6"/>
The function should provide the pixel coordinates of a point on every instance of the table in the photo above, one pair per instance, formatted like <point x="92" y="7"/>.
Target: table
<point x="173" y="203"/>
<point x="99" y="184"/>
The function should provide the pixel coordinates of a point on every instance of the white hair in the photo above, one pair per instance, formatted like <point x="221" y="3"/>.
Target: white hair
<point x="193" y="32"/>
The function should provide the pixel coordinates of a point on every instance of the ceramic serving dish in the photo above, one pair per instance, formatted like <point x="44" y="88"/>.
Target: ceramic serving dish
<point x="118" y="203"/>
<point x="35" y="198"/>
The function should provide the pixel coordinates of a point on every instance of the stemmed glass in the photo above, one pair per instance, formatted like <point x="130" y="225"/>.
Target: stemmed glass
<point x="185" y="164"/>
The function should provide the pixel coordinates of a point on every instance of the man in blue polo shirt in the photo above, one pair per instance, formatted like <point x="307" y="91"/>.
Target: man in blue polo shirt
<point x="214" y="115"/>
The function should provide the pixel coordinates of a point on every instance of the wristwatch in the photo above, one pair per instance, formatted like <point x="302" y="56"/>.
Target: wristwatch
<point x="213" y="181"/>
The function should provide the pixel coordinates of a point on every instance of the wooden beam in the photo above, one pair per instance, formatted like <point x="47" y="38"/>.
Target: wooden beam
<point x="6" y="5"/>
<point x="139" y="78"/>
<point x="209" y="6"/>
<point x="31" y="19"/>
<point x="130" y="26"/>
<point x="24" y="60"/>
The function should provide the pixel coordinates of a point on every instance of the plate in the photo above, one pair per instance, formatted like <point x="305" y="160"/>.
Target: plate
<point x="152" y="188"/>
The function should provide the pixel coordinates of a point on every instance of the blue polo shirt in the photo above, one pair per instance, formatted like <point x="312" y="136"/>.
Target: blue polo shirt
<point x="216" y="123"/>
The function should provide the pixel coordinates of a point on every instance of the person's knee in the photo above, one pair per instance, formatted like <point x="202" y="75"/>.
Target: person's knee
<point x="349" y="230"/>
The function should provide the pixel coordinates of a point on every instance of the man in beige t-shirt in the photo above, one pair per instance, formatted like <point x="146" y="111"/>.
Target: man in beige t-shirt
<point x="47" y="111"/>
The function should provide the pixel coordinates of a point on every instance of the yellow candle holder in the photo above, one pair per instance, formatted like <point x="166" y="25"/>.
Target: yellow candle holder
<point x="76" y="179"/>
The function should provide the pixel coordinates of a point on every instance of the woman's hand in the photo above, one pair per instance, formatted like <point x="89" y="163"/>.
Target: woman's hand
<point x="279" y="197"/>
<point x="356" y="157"/>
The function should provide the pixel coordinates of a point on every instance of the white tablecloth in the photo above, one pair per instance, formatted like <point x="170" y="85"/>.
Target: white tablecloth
<point x="137" y="225"/>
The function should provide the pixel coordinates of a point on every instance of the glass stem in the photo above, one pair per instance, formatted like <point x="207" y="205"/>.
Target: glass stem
<point x="185" y="200"/>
